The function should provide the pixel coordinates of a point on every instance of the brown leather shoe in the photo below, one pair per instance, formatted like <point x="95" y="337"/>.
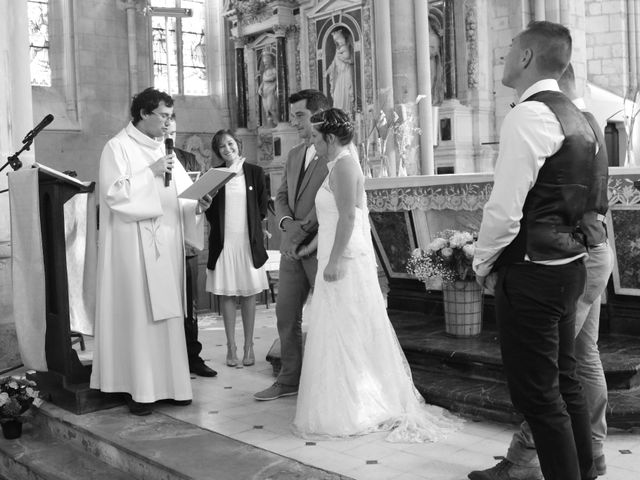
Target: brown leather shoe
<point x="506" y="470"/>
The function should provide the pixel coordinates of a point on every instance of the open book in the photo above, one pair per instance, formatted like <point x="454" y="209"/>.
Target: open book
<point x="211" y="181"/>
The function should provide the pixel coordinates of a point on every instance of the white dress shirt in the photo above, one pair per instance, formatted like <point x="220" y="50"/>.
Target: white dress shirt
<point x="530" y="134"/>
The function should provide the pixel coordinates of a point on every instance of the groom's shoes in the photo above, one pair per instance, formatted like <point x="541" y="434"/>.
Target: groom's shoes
<point x="276" y="390"/>
<point x="202" y="370"/>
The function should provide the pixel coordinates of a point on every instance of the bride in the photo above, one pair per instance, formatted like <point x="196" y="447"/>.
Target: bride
<point x="355" y="378"/>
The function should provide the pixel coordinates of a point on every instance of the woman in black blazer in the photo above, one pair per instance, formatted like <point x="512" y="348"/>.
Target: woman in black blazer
<point x="236" y="243"/>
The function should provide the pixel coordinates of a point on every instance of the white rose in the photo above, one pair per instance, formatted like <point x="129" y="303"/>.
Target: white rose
<point x="469" y="250"/>
<point x="4" y="398"/>
<point x="437" y="244"/>
<point x="446" y="253"/>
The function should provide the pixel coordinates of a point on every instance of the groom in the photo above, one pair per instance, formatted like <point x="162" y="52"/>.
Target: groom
<point x="296" y="214"/>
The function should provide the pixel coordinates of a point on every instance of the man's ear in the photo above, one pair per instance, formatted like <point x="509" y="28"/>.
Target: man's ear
<point x="526" y="57"/>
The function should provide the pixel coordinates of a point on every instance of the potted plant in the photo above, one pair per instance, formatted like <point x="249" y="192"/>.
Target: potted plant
<point x="449" y="258"/>
<point x="17" y="396"/>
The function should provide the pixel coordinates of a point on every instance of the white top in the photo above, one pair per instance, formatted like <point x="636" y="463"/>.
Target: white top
<point x="530" y="134"/>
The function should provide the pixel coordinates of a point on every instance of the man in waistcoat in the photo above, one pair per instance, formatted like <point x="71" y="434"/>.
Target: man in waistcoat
<point x="530" y="238"/>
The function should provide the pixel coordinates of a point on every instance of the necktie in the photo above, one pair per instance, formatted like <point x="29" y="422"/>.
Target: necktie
<point x="302" y="172"/>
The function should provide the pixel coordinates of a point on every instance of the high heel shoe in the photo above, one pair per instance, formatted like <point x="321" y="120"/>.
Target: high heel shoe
<point x="249" y="358"/>
<point x="232" y="357"/>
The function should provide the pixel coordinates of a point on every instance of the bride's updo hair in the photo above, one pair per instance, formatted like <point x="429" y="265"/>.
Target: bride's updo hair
<point x="336" y="122"/>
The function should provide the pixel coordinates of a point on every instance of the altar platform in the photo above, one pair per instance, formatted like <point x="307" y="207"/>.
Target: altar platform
<point x="226" y="435"/>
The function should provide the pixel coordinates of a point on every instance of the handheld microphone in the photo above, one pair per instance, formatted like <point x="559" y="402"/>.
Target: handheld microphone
<point x="31" y="135"/>
<point x="168" y="146"/>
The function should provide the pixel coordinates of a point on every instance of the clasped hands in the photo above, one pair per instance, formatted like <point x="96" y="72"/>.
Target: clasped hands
<point x="292" y="237"/>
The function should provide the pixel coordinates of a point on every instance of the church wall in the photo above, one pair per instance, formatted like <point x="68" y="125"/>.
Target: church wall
<point x="101" y="79"/>
<point x="606" y="40"/>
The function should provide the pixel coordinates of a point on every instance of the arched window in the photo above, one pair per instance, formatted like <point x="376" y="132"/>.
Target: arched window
<point x="178" y="43"/>
<point x="39" y="42"/>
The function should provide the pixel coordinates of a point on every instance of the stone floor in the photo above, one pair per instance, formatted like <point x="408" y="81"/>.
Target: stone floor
<point x="225" y="405"/>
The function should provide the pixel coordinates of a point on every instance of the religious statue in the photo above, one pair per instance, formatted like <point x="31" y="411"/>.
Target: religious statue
<point x="268" y="88"/>
<point x="435" y="57"/>
<point x="340" y="72"/>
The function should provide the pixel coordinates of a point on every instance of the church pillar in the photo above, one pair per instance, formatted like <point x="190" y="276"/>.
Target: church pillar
<point x="633" y="25"/>
<point x="283" y="84"/>
<point x="539" y="8"/>
<point x="425" y="117"/>
<point x="384" y="67"/>
<point x="241" y="84"/>
<point x="15" y="122"/>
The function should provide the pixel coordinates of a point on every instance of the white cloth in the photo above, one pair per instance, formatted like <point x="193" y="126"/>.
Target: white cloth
<point x="28" y="268"/>
<point x="530" y="134"/>
<point x="234" y="273"/>
<point x="355" y="378"/>
<point x="140" y="344"/>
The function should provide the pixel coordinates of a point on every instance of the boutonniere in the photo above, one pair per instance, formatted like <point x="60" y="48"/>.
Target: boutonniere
<point x="250" y="187"/>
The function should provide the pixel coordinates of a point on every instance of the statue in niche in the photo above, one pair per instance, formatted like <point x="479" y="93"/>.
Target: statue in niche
<point x="268" y="88"/>
<point x="340" y="72"/>
<point x="436" y="61"/>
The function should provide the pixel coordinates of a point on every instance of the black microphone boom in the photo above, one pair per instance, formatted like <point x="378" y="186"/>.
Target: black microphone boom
<point x="168" y="146"/>
<point x="31" y="135"/>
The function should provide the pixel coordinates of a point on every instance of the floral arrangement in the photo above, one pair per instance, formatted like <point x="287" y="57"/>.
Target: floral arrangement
<point x="448" y="257"/>
<point x="17" y="395"/>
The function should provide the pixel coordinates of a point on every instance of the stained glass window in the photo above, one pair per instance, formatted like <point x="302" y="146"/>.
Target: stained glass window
<point x="38" y="11"/>
<point x="179" y="48"/>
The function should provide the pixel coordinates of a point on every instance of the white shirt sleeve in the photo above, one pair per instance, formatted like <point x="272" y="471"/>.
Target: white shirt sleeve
<point x="530" y="134"/>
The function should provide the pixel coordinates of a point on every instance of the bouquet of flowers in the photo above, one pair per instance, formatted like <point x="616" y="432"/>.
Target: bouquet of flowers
<point x="448" y="257"/>
<point x="17" y="395"/>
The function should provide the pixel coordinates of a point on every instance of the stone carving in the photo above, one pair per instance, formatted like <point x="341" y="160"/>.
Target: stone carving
<point x="268" y="88"/>
<point x="436" y="60"/>
<point x="471" y="34"/>
<point x="340" y="71"/>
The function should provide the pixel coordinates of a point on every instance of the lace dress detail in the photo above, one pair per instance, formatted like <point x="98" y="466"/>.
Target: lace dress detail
<point x="355" y="378"/>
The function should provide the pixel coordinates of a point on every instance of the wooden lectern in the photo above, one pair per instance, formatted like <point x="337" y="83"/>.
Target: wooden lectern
<point x="66" y="383"/>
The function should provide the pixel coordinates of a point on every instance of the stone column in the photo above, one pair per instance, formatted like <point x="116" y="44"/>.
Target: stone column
<point x="241" y="84"/>
<point x="425" y="117"/>
<point x="384" y="69"/>
<point x="633" y="25"/>
<point x="539" y="10"/>
<point x="15" y="122"/>
<point x="283" y="82"/>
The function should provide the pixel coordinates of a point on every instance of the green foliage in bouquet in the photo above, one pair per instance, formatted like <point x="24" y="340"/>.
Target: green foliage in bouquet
<point x="448" y="257"/>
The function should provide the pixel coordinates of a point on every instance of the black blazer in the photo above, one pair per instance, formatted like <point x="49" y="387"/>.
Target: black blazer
<point x="257" y="198"/>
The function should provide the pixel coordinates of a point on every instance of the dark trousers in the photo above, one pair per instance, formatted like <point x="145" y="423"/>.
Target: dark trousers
<point x="535" y="310"/>
<point x="194" y="347"/>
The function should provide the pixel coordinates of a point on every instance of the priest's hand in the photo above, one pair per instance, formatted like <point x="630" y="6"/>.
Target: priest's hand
<point x="163" y="165"/>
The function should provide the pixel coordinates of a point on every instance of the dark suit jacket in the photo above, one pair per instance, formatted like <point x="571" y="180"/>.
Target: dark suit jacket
<point x="257" y="198"/>
<point x="190" y="164"/>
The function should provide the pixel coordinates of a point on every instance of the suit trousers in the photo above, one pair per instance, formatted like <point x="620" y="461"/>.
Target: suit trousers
<point x="589" y="371"/>
<point x="536" y="312"/>
<point x="194" y="347"/>
<point x="295" y="281"/>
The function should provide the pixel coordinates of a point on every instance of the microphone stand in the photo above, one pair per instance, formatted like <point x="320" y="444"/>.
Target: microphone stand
<point x="14" y="161"/>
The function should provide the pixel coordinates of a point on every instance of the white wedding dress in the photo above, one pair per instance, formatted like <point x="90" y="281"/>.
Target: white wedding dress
<point x="355" y="378"/>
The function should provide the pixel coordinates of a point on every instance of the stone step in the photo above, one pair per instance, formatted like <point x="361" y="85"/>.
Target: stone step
<point x="488" y="399"/>
<point x="160" y="447"/>
<point x="39" y="455"/>
<point x="427" y="345"/>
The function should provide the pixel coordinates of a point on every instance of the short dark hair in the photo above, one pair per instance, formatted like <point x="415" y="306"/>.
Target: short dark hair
<point x="215" y="141"/>
<point x="148" y="100"/>
<point x="551" y="43"/>
<point x="336" y="122"/>
<point x="316" y="100"/>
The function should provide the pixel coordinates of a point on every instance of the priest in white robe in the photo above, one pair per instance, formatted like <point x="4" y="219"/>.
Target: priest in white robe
<point x="139" y="336"/>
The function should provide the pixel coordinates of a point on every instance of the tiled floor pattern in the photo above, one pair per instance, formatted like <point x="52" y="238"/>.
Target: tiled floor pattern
<point x="225" y="405"/>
